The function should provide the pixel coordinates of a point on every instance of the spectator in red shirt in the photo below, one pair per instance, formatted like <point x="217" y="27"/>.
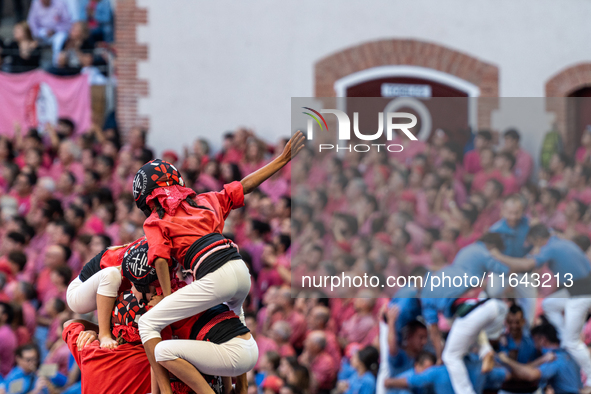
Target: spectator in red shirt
<point x="483" y="140"/>
<point x="22" y="190"/>
<point x="319" y="362"/>
<point x="281" y="333"/>
<point x="524" y="163"/>
<point x="318" y="320"/>
<point x="504" y="164"/>
<point x="8" y="340"/>
<point x="360" y="328"/>
<point x="487" y="171"/>
<point x="547" y="210"/>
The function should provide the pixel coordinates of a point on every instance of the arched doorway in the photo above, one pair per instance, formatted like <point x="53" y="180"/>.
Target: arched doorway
<point x="415" y="70"/>
<point x="568" y="95"/>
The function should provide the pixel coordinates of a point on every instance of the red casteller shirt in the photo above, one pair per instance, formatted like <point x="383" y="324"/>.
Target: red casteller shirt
<point x="170" y="237"/>
<point x="125" y="369"/>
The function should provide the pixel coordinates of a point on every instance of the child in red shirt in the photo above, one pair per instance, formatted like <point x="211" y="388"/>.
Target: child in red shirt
<point x="187" y="228"/>
<point x="99" y="283"/>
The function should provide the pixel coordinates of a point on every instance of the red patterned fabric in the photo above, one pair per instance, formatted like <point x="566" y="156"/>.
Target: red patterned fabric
<point x="171" y="197"/>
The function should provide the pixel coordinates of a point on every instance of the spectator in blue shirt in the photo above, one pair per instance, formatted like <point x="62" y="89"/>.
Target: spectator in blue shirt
<point x="423" y="361"/>
<point x="568" y="307"/>
<point x="556" y="368"/>
<point x="513" y="227"/>
<point x="436" y="378"/>
<point x="402" y="357"/>
<point x="365" y="362"/>
<point x="23" y="377"/>
<point x="517" y="342"/>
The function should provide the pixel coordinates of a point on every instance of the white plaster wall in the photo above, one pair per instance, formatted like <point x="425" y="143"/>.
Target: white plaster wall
<point x="216" y="65"/>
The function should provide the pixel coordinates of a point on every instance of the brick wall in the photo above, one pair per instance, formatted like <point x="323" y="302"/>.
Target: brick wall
<point x="130" y="88"/>
<point x="415" y="53"/>
<point x="559" y="86"/>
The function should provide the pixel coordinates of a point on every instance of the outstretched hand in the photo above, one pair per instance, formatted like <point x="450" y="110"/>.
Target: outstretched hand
<point x="293" y="146"/>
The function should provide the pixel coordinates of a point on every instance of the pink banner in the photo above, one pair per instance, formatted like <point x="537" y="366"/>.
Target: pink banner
<point x="36" y="98"/>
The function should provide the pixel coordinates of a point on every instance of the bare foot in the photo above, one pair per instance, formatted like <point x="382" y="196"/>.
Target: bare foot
<point x="488" y="362"/>
<point x="108" y="343"/>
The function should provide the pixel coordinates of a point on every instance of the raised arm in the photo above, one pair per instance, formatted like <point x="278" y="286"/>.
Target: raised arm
<point x="392" y="316"/>
<point x="292" y="148"/>
<point x="514" y="263"/>
<point x="520" y="371"/>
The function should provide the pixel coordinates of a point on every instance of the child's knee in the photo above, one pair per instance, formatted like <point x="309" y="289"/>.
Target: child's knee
<point x="162" y="353"/>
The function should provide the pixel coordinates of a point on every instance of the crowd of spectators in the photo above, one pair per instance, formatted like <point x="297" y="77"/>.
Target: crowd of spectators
<point x="71" y="30"/>
<point x="65" y="196"/>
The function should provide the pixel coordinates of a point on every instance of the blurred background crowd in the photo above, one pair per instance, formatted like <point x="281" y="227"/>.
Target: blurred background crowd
<point x="66" y="198"/>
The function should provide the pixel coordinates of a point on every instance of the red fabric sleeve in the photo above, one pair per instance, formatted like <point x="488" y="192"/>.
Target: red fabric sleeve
<point x="70" y="336"/>
<point x="158" y="240"/>
<point x="232" y="197"/>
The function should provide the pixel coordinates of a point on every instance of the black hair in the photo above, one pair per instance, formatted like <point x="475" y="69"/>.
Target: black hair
<point x="515" y="309"/>
<point x="372" y="201"/>
<point x="8" y="310"/>
<point x="493" y="239"/>
<point x="485" y="134"/>
<point x="406" y="236"/>
<point x="19" y="258"/>
<point x="319" y="226"/>
<point x="31" y="177"/>
<point x="497" y="185"/>
<point x="450" y="165"/>
<point x="456" y="149"/>
<point x="105" y="239"/>
<point x="65" y="273"/>
<point x="538" y="231"/>
<point x="411" y="328"/>
<point x="53" y="209"/>
<point x="582" y="241"/>
<point x="471" y="215"/>
<point x="59" y="305"/>
<point x="581" y="207"/>
<point x="434" y="232"/>
<point x="508" y="156"/>
<point x="78" y="211"/>
<point x="29" y="290"/>
<point x="260" y="227"/>
<point x="565" y="159"/>
<point x="107" y="160"/>
<point x="24" y="348"/>
<point x="547" y="331"/>
<point x="17" y="237"/>
<point x="369" y="357"/>
<point x="67" y="251"/>
<point x="67" y="228"/>
<point x="512" y="133"/>
<point x="285" y="240"/>
<point x="554" y="193"/>
<point x="423" y="356"/>
<point x="72" y="177"/>
<point x="274" y="359"/>
<point x="68" y="122"/>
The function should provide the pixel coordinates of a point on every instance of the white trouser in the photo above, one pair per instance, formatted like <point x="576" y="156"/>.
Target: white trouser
<point x="383" y="371"/>
<point x="568" y="315"/>
<point x="81" y="296"/>
<point x="231" y="358"/>
<point x="465" y="331"/>
<point x="230" y="284"/>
